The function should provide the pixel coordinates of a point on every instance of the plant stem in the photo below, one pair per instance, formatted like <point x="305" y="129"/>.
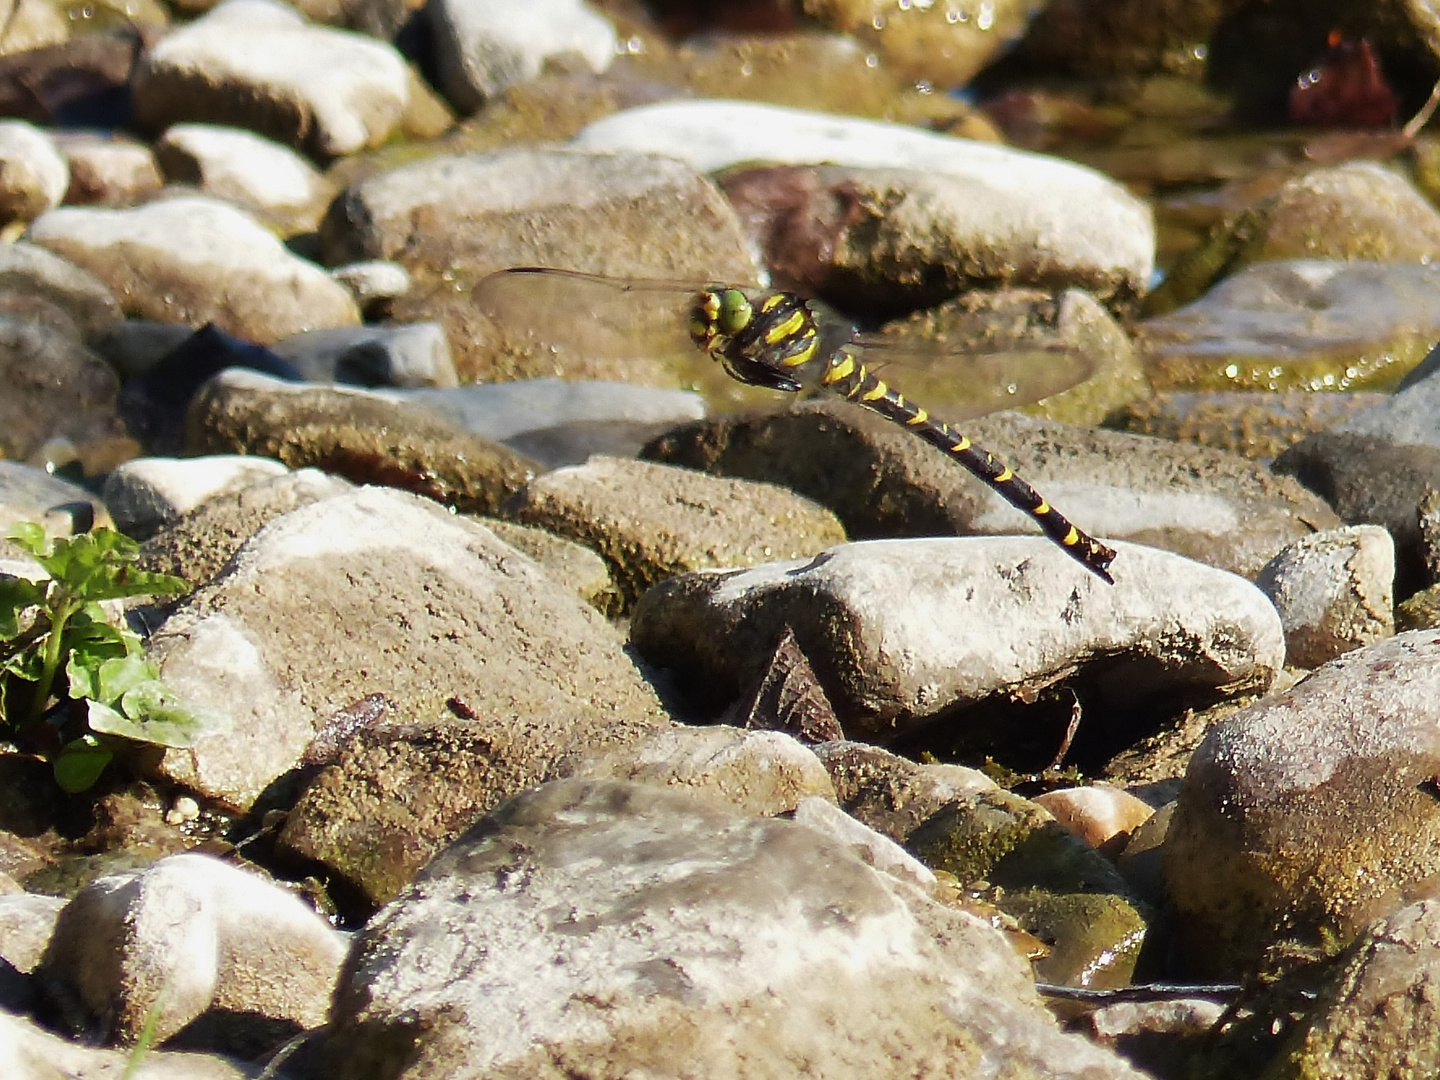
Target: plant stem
<point x="64" y="608"/>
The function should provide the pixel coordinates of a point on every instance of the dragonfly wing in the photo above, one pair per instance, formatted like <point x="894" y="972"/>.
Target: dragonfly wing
<point x="570" y="314"/>
<point x="960" y="386"/>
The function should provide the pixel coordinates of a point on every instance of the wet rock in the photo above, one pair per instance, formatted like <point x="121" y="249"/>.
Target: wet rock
<point x="562" y="422"/>
<point x="1241" y="422"/>
<point x="1376" y="1016"/>
<point x="1302" y="324"/>
<point x="108" y="169"/>
<point x="942" y="46"/>
<point x="1335" y="591"/>
<point x="195" y="260"/>
<point x="982" y="620"/>
<point x="881" y="481"/>
<point x="200" y="543"/>
<point x="1102" y="816"/>
<point x="484" y="46"/>
<point x="625" y="215"/>
<point x="29" y="1052"/>
<point x="258" y="65"/>
<point x="1310" y="813"/>
<point x="27" y="921"/>
<point x="1052" y="325"/>
<point x="1161" y="1036"/>
<point x="1377" y="466"/>
<point x="573" y="565"/>
<point x="189" y="935"/>
<point x="379" y="591"/>
<point x="1359" y="210"/>
<point x="146" y="493"/>
<point x="356" y="435"/>
<point x="891" y="794"/>
<point x="58" y="391"/>
<point x="1141" y="863"/>
<point x="960" y="209"/>
<point x="271" y="180"/>
<point x="412" y="354"/>
<point x="1054" y="884"/>
<point x="651" y="521"/>
<point x="33" y="174"/>
<point x="28" y="493"/>
<point x="670" y="885"/>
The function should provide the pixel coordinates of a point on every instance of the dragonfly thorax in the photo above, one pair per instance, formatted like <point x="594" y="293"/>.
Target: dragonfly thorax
<point x="765" y="342"/>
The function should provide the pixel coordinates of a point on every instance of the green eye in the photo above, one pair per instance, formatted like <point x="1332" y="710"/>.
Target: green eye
<point x="735" y="311"/>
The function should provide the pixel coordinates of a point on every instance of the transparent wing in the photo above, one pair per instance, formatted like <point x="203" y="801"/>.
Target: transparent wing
<point x="959" y="386"/>
<point x="600" y="318"/>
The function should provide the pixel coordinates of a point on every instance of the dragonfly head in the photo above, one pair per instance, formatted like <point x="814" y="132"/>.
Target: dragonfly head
<point x="718" y="315"/>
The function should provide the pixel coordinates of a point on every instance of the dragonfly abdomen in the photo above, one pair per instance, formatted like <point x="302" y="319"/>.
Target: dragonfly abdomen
<point x="849" y="379"/>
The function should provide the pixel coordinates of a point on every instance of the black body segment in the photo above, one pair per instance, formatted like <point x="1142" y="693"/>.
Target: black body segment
<point x="775" y="344"/>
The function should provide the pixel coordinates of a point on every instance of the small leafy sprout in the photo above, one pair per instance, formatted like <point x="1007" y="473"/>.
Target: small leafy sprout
<point x="56" y="626"/>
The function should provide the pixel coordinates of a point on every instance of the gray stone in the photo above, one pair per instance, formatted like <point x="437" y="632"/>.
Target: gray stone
<point x="1335" y="591"/>
<point x="409" y="354"/>
<point x="194" y="259"/>
<point x="145" y="493"/>
<point x="484" y="46"/>
<point x="983" y="618"/>
<point x="26" y="922"/>
<point x="1312" y="809"/>
<point x="29" y="1052"/>
<point x="624" y="930"/>
<point x="651" y="521"/>
<point x="257" y="64"/>
<point x="31" y="494"/>
<point x="108" y="169"/>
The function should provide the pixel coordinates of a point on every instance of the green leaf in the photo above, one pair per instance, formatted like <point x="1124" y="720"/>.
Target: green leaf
<point x="122" y="674"/>
<point x="31" y="537"/>
<point x="80" y="763"/>
<point x="152" y="713"/>
<point x="16" y="596"/>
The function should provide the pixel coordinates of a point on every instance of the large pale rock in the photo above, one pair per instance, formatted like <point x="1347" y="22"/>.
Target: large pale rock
<point x="29" y="1052"/>
<point x="33" y="173"/>
<point x="257" y="64"/>
<point x="620" y="930"/>
<point x="196" y="260"/>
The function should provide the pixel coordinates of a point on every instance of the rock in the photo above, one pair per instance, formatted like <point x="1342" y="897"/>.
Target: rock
<point x="881" y="481"/>
<point x="1359" y="210"/>
<point x="189" y="935"/>
<point x="135" y="346"/>
<point x="1303" y="324"/>
<point x="80" y="83"/>
<point x="410" y="355"/>
<point x="26" y="923"/>
<point x="374" y="282"/>
<point x="108" y="169"/>
<point x="1334" y="592"/>
<point x="29" y="1052"/>
<point x="1376" y="467"/>
<point x="651" y="521"/>
<point x="356" y="435"/>
<point x="146" y="493"/>
<point x="1420" y="611"/>
<point x="40" y="287"/>
<point x="32" y="494"/>
<point x="1376" y="1015"/>
<point x="1428" y="514"/>
<point x="35" y="25"/>
<point x="257" y="64"/>
<point x="262" y="176"/>
<point x="944" y="47"/>
<point x="573" y="565"/>
<point x="1241" y="422"/>
<point x="562" y="422"/>
<point x="894" y="795"/>
<point x="625" y="215"/>
<point x="975" y="206"/>
<point x="379" y="591"/>
<point x="1310" y="811"/>
<point x="195" y="260"/>
<point x="200" y="543"/>
<point x="878" y="851"/>
<point x="484" y="46"/>
<point x="698" y="930"/>
<point x="62" y="400"/>
<point x="1101" y="815"/>
<point x="983" y="618"/>
<point x="33" y="174"/>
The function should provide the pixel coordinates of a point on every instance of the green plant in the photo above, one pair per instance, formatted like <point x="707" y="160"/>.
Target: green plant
<point x="56" y="627"/>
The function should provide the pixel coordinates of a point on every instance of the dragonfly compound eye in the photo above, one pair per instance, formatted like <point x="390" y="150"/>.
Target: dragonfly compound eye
<point x="735" y="311"/>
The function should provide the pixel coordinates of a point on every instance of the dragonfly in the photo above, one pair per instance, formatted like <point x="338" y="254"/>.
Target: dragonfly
<point x="780" y="341"/>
